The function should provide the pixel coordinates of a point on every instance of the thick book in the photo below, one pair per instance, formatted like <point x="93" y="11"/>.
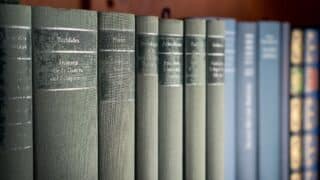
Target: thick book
<point x="284" y="104"/>
<point x="147" y="98"/>
<point x="16" y="136"/>
<point x="116" y="69"/>
<point x="310" y="122"/>
<point x="215" y="99"/>
<point x="170" y="99"/>
<point x="230" y="100"/>
<point x="194" y="98"/>
<point x="246" y="102"/>
<point x="269" y="94"/>
<point x="295" y="104"/>
<point x="64" y="44"/>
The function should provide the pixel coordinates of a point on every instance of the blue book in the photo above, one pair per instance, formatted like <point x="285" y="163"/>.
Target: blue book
<point x="269" y="94"/>
<point x="310" y="105"/>
<point x="246" y="109"/>
<point x="230" y="99"/>
<point x="284" y="104"/>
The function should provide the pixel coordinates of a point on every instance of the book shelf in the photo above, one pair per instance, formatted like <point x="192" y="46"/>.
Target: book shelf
<point x="297" y="12"/>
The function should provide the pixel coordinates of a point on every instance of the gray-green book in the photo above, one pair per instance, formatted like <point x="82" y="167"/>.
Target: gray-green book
<point x="116" y="96"/>
<point x="215" y="100"/>
<point x="16" y="144"/>
<point x="146" y="151"/>
<point x="170" y="99"/>
<point x="194" y="98"/>
<point x="65" y="93"/>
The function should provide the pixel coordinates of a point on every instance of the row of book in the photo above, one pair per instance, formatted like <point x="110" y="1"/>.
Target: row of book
<point x="87" y="96"/>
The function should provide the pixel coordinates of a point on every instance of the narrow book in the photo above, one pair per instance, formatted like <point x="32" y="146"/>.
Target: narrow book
<point x="284" y="104"/>
<point x="311" y="105"/>
<point x="230" y="100"/>
<point x="16" y="142"/>
<point x="170" y="99"/>
<point x="116" y="53"/>
<point x="296" y="90"/>
<point x="215" y="100"/>
<point x="194" y="99"/>
<point x="246" y="102"/>
<point x="269" y="93"/>
<point x="147" y="82"/>
<point x="65" y="93"/>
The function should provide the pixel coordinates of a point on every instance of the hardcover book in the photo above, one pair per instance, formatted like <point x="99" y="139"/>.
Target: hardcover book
<point x="65" y="93"/>
<point x="215" y="100"/>
<point x="246" y="103"/>
<point x="116" y="53"/>
<point x="194" y="98"/>
<point x="16" y="136"/>
<point x="147" y="98"/>
<point x="170" y="99"/>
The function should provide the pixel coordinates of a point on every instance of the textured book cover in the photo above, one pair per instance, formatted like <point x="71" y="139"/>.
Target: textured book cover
<point x="147" y="98"/>
<point x="16" y="143"/>
<point x="170" y="99"/>
<point x="116" y="53"/>
<point x="194" y="98"/>
<point x="284" y="104"/>
<point x="269" y="93"/>
<point x="246" y="105"/>
<point x="295" y="104"/>
<point x="230" y="100"/>
<point x="65" y="93"/>
<point x="215" y="100"/>
<point x="310" y="105"/>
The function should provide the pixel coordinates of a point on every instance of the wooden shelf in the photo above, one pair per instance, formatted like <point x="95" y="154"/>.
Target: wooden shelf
<point x="298" y="12"/>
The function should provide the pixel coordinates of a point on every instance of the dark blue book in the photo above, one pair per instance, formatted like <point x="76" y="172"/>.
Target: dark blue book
<point x="246" y="110"/>
<point x="269" y="93"/>
<point x="284" y="104"/>
<point x="310" y="105"/>
<point x="230" y="99"/>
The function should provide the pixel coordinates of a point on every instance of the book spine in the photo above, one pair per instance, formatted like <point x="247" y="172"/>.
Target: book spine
<point x="311" y="106"/>
<point x="269" y="100"/>
<point x="16" y="136"/>
<point x="284" y="104"/>
<point x="194" y="98"/>
<point x="296" y="89"/>
<point x="116" y="95"/>
<point x="230" y="100"/>
<point x="215" y="100"/>
<point x="170" y="99"/>
<point x="246" y="110"/>
<point x="146" y="151"/>
<point x="65" y="93"/>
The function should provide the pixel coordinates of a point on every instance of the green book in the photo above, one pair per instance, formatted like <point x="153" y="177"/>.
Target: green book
<point x="194" y="99"/>
<point x="65" y="94"/>
<point x="146" y="151"/>
<point x="215" y="100"/>
<point x="170" y="99"/>
<point x="116" y="95"/>
<point x="16" y="144"/>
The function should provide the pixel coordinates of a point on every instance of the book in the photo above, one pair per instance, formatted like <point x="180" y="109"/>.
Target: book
<point x="215" y="100"/>
<point x="284" y="104"/>
<point x="147" y="98"/>
<point x="194" y="99"/>
<point x="246" y="102"/>
<point x="296" y="89"/>
<point x="170" y="99"/>
<point x="16" y="136"/>
<point x="116" y="59"/>
<point x="269" y="93"/>
<point x="230" y="100"/>
<point x="64" y="44"/>
<point x="310" y="122"/>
